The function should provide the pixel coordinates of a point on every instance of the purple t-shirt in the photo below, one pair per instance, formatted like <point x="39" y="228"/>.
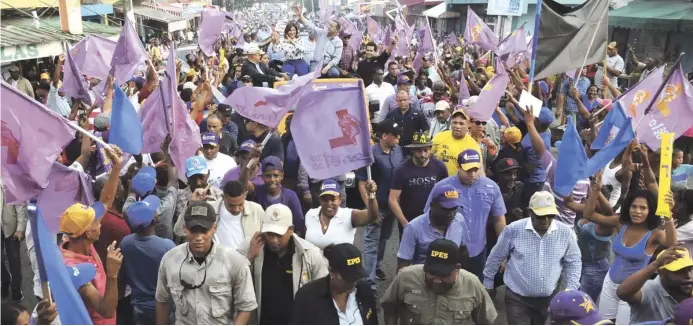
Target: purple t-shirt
<point x="565" y="214"/>
<point x="416" y="183"/>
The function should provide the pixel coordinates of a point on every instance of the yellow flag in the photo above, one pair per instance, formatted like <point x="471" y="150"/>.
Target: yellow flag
<point x="667" y="151"/>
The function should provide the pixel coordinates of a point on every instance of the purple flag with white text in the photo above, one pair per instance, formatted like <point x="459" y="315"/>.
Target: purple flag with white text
<point x="339" y="141"/>
<point x="477" y="32"/>
<point x="492" y="92"/>
<point x="128" y="54"/>
<point x="73" y="81"/>
<point x="28" y="153"/>
<point x="65" y="187"/>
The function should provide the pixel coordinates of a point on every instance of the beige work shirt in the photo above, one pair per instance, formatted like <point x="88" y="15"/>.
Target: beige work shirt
<point x="467" y="303"/>
<point x="227" y="289"/>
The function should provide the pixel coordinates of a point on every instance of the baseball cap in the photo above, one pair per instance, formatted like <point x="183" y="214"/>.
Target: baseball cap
<point x="278" y="218"/>
<point x="468" y="102"/>
<point x="612" y="45"/>
<point x="271" y="163"/>
<point x="513" y="135"/>
<point x="442" y="106"/>
<point x="684" y="312"/>
<point x="81" y="274"/>
<point x="419" y="140"/>
<point x="442" y="257"/>
<point x="141" y="214"/>
<point x="459" y="110"/>
<point x="78" y="218"/>
<point x="389" y="127"/>
<point x="505" y="164"/>
<point x="254" y="49"/>
<point x="447" y="196"/>
<point x="577" y="308"/>
<point x="345" y="259"/>
<point x="542" y="203"/>
<point x="13" y="68"/>
<point x="195" y="165"/>
<point x="224" y="109"/>
<point x="469" y="159"/>
<point x="210" y="138"/>
<point x="247" y="146"/>
<point x="678" y="264"/>
<point x="246" y="79"/>
<point x="44" y="75"/>
<point x="546" y="116"/>
<point x="330" y="187"/>
<point x="144" y="181"/>
<point x="200" y="213"/>
<point x="102" y="121"/>
<point x="403" y="79"/>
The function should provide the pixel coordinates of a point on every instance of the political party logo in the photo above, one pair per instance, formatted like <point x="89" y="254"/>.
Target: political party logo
<point x="669" y="94"/>
<point x="260" y="103"/>
<point x="350" y="127"/>
<point x="476" y="30"/>
<point x="640" y="97"/>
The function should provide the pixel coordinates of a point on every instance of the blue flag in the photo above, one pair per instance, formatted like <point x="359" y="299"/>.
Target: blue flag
<point x="571" y="157"/>
<point x="610" y="127"/>
<point x="600" y="159"/>
<point x="70" y="306"/>
<point x="126" y="129"/>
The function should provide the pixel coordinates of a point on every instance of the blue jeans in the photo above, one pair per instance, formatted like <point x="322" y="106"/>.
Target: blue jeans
<point x="299" y="67"/>
<point x="593" y="274"/>
<point x="143" y="315"/>
<point x="477" y="264"/>
<point x="374" y="242"/>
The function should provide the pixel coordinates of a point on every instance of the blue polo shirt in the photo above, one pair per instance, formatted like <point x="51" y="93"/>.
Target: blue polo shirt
<point x="419" y="234"/>
<point x="479" y="201"/>
<point x="383" y="172"/>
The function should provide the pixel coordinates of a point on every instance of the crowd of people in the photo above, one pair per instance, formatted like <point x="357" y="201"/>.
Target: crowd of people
<point x="251" y="237"/>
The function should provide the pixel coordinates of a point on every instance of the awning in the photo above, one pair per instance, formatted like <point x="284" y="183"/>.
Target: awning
<point x="667" y="15"/>
<point x="440" y="11"/>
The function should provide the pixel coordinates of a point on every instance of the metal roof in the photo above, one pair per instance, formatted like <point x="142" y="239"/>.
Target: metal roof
<point x="20" y="31"/>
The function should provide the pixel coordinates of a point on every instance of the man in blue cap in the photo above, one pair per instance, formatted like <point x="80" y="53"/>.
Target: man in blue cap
<point x="197" y="172"/>
<point x="142" y="254"/>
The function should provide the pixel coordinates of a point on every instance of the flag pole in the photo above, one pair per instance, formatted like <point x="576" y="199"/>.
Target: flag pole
<point x="589" y="48"/>
<point x="535" y="41"/>
<point x="90" y="135"/>
<point x="676" y="65"/>
<point x="43" y="275"/>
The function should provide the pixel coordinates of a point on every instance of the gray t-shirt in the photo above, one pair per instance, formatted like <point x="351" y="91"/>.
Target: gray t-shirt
<point x="656" y="303"/>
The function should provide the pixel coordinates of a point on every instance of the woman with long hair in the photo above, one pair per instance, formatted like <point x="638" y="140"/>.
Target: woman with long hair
<point x="293" y="50"/>
<point x="639" y="235"/>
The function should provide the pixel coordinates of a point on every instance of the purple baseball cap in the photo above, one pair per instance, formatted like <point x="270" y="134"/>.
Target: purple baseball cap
<point x="684" y="312"/>
<point x="210" y="138"/>
<point x="469" y="159"/>
<point x="247" y="146"/>
<point x="447" y="196"/>
<point x="577" y="308"/>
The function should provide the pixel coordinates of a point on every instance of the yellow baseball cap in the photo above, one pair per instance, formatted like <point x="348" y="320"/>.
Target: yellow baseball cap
<point x="542" y="203"/>
<point x="45" y="76"/>
<point x="78" y="218"/>
<point x="513" y="135"/>
<point x="612" y="45"/>
<point x="679" y="264"/>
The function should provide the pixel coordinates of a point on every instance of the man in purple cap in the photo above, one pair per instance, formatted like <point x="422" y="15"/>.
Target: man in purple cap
<point x="404" y="83"/>
<point x="481" y="203"/>
<point x="218" y="163"/>
<point x="243" y="158"/>
<point x="575" y="308"/>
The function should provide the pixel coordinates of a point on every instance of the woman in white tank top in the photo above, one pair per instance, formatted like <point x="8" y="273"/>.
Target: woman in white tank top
<point x="614" y="177"/>
<point x="331" y="224"/>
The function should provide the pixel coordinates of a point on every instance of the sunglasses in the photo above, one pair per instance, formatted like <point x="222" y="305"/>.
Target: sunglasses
<point x="185" y="284"/>
<point x="479" y="123"/>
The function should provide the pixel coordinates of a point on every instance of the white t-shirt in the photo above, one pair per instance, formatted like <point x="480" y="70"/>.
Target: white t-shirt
<point x="340" y="229"/>
<point x="218" y="167"/>
<point x="352" y="314"/>
<point x="379" y="93"/>
<point x="229" y="229"/>
<point x="615" y="62"/>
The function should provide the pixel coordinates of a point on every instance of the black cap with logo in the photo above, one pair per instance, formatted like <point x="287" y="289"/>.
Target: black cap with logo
<point x="200" y="213"/>
<point x="442" y="257"/>
<point x="345" y="259"/>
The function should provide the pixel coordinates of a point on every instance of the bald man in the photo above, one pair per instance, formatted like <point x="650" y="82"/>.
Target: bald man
<point x="227" y="144"/>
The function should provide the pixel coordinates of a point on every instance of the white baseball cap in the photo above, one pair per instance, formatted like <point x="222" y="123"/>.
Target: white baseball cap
<point x="442" y="106"/>
<point x="542" y="203"/>
<point x="278" y="219"/>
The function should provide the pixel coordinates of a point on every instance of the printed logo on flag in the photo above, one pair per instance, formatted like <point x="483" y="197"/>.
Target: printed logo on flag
<point x="475" y="32"/>
<point x="12" y="144"/>
<point x="640" y="97"/>
<point x="669" y="94"/>
<point x="350" y="126"/>
<point x="612" y="135"/>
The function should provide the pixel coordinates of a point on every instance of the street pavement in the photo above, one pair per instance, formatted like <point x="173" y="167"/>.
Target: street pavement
<point x="389" y="267"/>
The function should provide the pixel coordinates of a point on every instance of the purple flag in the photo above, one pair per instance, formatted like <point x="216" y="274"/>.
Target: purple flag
<point x="211" y="22"/>
<point x="672" y="111"/>
<point x="28" y="153"/>
<point x="93" y="56"/>
<point x="387" y="35"/>
<point x="65" y="187"/>
<point x="477" y="32"/>
<point x="426" y="45"/>
<point x="374" y="30"/>
<point x="185" y="136"/>
<point x="637" y="98"/>
<point x="153" y="122"/>
<point x="516" y="42"/>
<point x="452" y="39"/>
<point x="356" y="36"/>
<point x="267" y="105"/>
<point x="492" y="92"/>
<point x="128" y="54"/>
<point x="416" y="64"/>
<point x="464" y="88"/>
<point x="73" y="82"/>
<point x="104" y="161"/>
<point x="339" y="141"/>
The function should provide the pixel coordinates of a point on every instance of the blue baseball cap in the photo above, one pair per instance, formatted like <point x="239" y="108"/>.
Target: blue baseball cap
<point x="210" y="138"/>
<point x="81" y="274"/>
<point x="329" y="187"/>
<point x="195" y="165"/>
<point x="546" y="116"/>
<point x="144" y="181"/>
<point x="447" y="196"/>
<point x="577" y="308"/>
<point x="141" y="213"/>
<point x="469" y="159"/>
<point x="271" y="163"/>
<point x="247" y="146"/>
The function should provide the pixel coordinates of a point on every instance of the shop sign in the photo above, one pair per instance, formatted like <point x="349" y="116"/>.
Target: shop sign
<point x="29" y="51"/>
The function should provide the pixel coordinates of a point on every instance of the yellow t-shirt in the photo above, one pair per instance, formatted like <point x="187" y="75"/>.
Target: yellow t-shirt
<point x="446" y="148"/>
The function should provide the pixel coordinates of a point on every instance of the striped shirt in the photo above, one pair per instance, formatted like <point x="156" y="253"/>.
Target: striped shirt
<point x="535" y="263"/>
<point x="582" y="187"/>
